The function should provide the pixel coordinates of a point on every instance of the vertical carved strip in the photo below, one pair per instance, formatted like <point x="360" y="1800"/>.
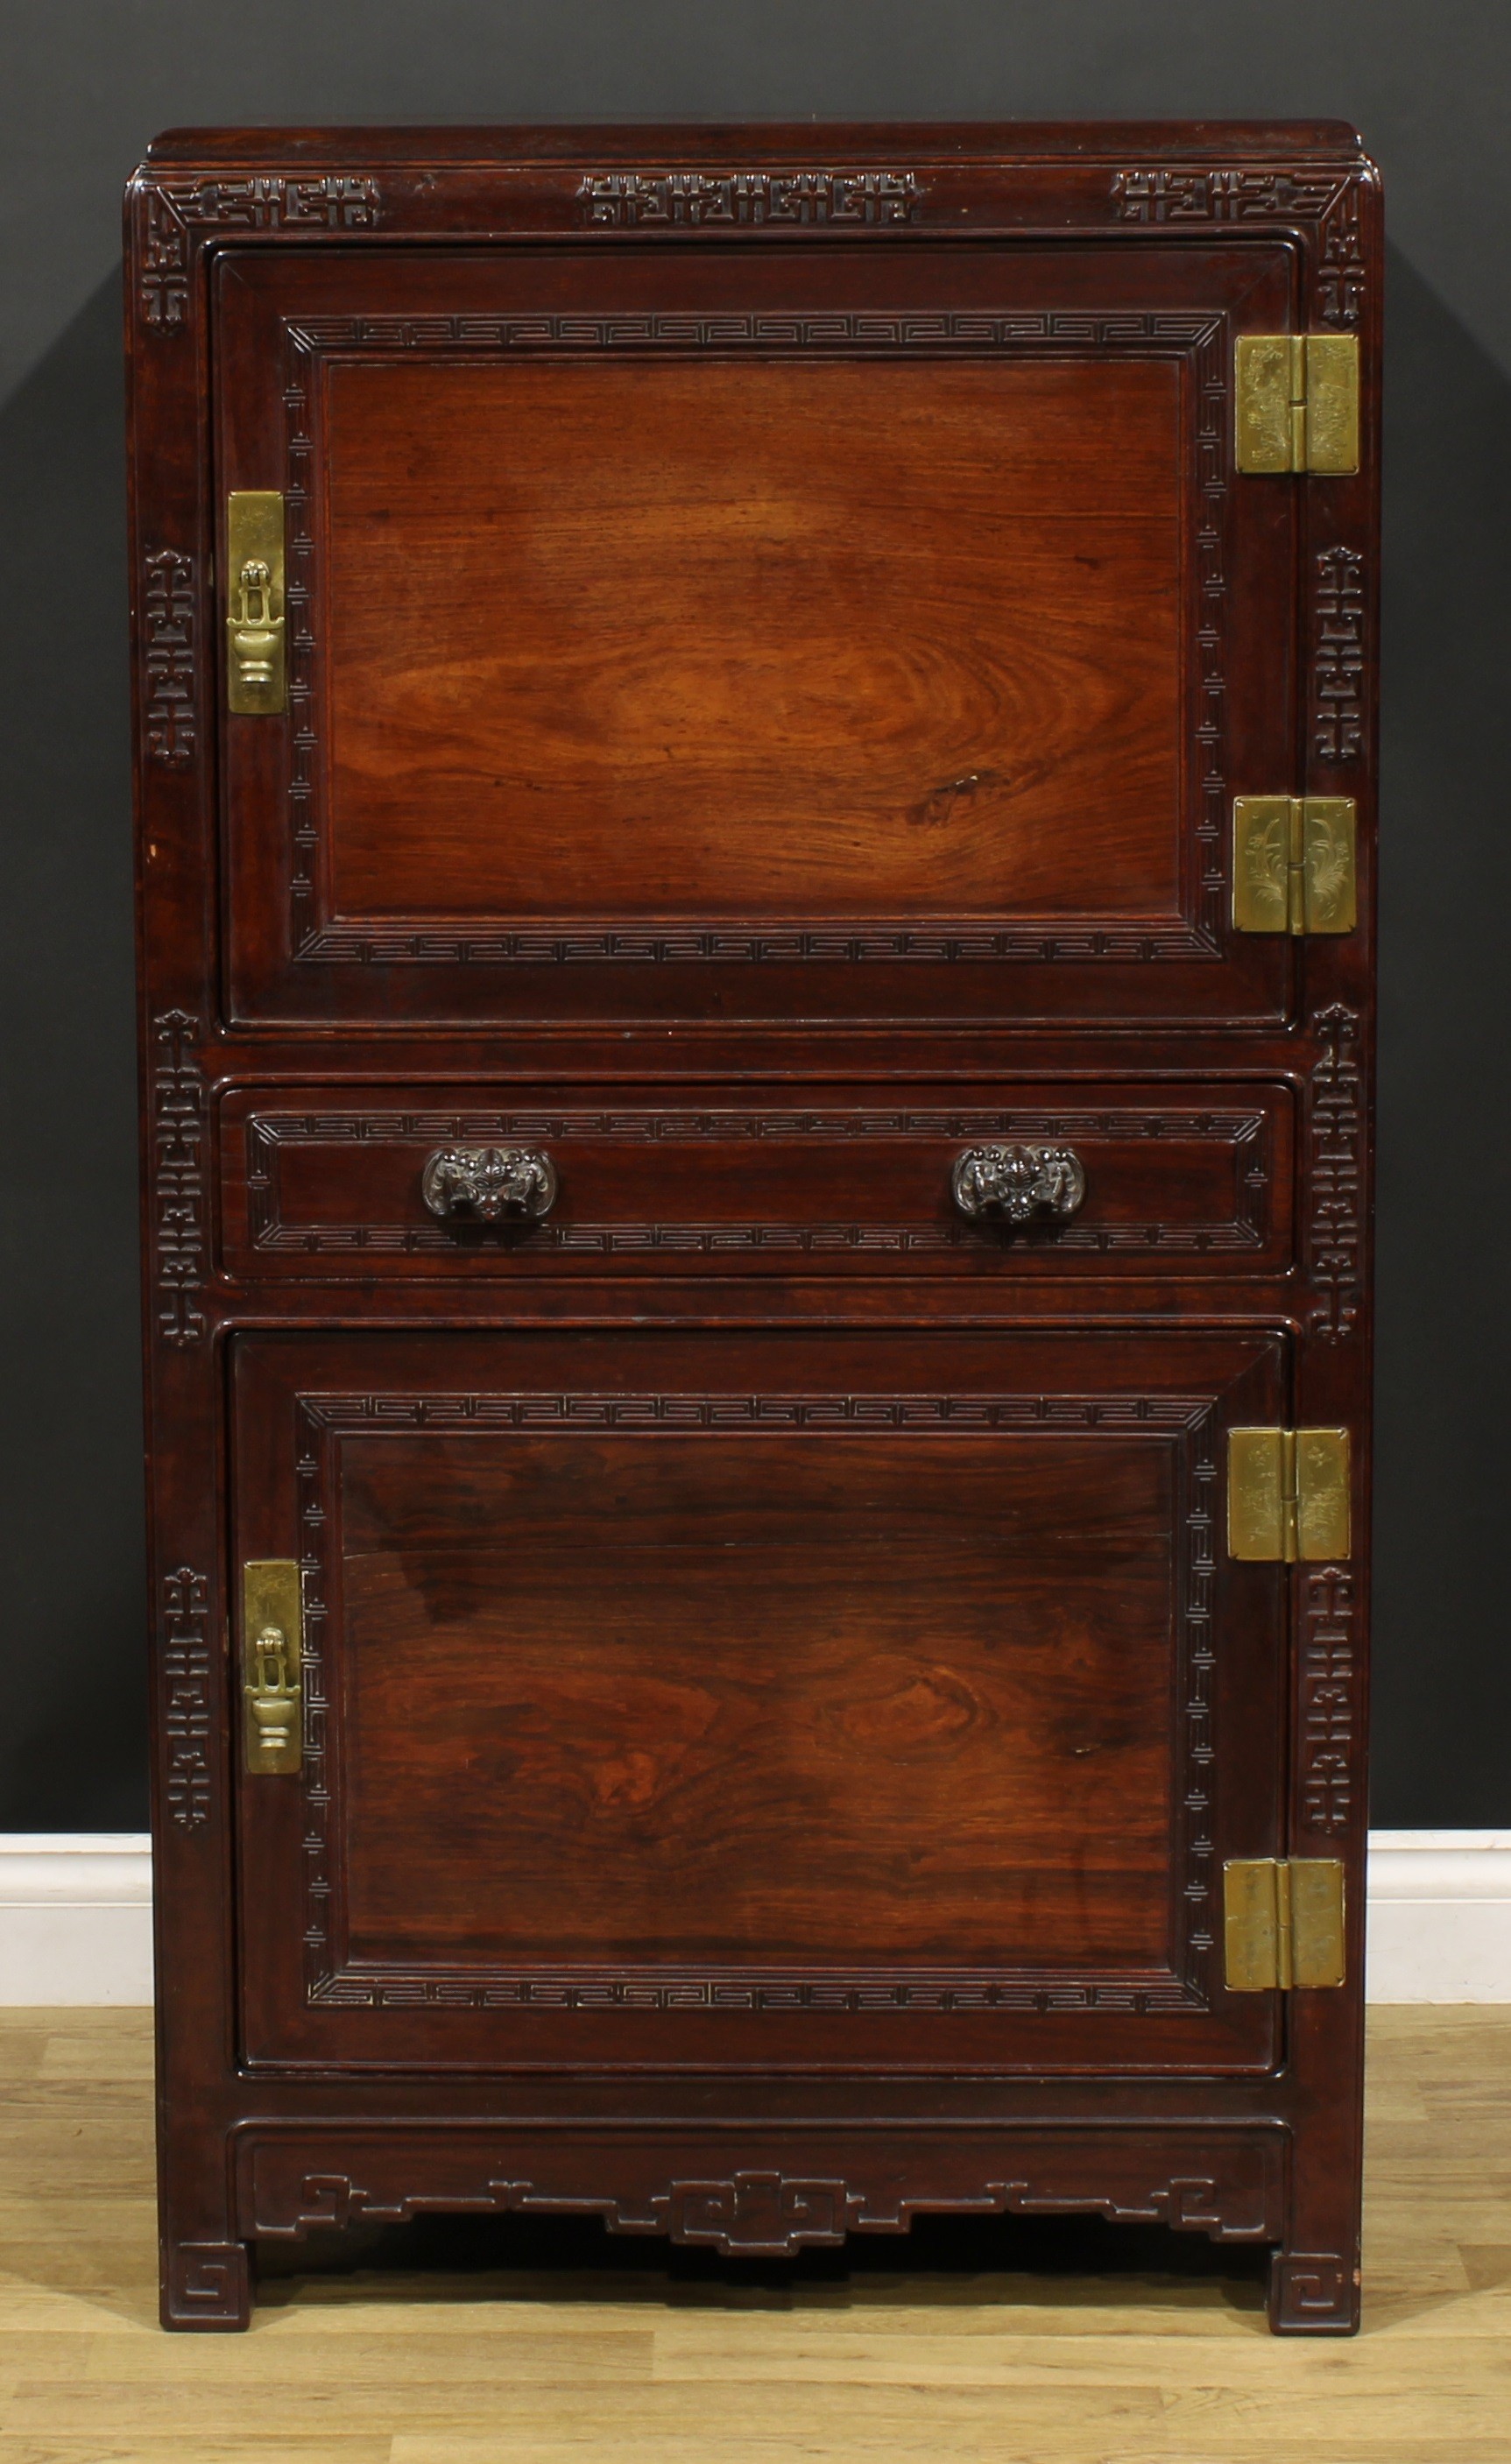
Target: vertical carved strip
<point x="321" y="1848"/>
<point x="1338" y="711"/>
<point x="183" y="1685"/>
<point x="168" y="655"/>
<point x="1328" y="1712"/>
<point x="1340" y="273"/>
<point x="178" y="1210"/>
<point x="1195" y="1693"/>
<point x="1335" y="1129"/>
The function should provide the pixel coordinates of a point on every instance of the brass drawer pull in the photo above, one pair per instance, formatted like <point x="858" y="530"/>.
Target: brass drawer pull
<point x="480" y="1184"/>
<point x="1012" y="1184"/>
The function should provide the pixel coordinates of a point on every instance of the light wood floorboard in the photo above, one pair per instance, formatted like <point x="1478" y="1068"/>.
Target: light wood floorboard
<point x="1021" y="2344"/>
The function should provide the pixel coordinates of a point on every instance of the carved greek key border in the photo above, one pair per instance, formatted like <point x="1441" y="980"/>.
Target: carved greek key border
<point x="643" y="199"/>
<point x="1199" y="935"/>
<point x="1188" y="1423"/>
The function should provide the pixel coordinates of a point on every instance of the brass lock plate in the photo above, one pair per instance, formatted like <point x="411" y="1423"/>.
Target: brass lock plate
<point x="256" y="626"/>
<point x="271" y="1641"/>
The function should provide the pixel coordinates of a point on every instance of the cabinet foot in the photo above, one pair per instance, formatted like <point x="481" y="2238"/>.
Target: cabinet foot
<point x="1313" y="2292"/>
<point x="207" y="2284"/>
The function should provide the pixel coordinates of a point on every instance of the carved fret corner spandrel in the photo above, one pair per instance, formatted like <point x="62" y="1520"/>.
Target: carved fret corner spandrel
<point x="179" y="1195"/>
<point x="1335" y="1114"/>
<point x="183" y="1700"/>
<point x="173" y="210"/>
<point x="1339" y="282"/>
<point x="1160" y="193"/>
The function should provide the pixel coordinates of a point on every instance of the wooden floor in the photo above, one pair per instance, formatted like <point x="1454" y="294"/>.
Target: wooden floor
<point x="501" y="2343"/>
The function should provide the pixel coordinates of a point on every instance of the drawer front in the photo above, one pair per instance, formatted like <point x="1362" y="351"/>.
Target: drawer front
<point x="319" y="1186"/>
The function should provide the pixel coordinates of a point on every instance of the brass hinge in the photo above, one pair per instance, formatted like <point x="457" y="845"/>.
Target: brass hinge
<point x="271" y="1648"/>
<point x="256" y="627"/>
<point x="1288" y="1494"/>
<point x="1293" y="863"/>
<point x="1296" y="402"/>
<point x="1281" y="1922"/>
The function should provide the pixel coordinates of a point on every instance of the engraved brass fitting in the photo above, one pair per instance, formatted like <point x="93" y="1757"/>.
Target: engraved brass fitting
<point x="273" y="1691"/>
<point x="256" y="623"/>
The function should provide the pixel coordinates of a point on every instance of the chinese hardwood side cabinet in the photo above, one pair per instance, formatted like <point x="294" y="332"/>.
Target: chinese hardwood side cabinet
<point x="755" y="767"/>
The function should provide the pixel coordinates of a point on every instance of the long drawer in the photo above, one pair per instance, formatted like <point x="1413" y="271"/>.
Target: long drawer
<point x="332" y="1182"/>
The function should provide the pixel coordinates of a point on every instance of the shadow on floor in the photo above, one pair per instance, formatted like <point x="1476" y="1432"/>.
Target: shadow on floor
<point x="1014" y="2261"/>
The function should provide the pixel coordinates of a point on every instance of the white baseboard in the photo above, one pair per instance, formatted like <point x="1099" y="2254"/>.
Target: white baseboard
<point x="1439" y="1916"/>
<point x="75" y="1916"/>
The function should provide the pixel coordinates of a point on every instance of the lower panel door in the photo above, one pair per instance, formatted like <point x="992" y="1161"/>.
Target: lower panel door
<point x="768" y="1700"/>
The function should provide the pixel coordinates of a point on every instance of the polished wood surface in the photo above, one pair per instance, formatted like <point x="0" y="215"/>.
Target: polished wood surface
<point x="727" y="639"/>
<point x="455" y="2341"/>
<point x="775" y="631"/>
<point x="751" y="1701"/>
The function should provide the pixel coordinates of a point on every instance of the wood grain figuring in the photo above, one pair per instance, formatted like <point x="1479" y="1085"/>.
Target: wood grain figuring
<point x="800" y="1695"/>
<point x="518" y="2341"/>
<point x="860" y="638"/>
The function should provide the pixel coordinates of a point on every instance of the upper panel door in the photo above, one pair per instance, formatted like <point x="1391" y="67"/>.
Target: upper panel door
<point x="861" y="632"/>
<point x="777" y="1701"/>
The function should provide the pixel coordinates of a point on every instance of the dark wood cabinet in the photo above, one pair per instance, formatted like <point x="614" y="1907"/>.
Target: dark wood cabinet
<point x="756" y="803"/>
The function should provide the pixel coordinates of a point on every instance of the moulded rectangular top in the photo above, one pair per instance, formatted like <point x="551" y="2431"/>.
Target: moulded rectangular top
<point x="1330" y="141"/>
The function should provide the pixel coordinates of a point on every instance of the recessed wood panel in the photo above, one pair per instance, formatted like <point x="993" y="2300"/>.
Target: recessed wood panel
<point x="825" y="1695"/>
<point x="845" y="638"/>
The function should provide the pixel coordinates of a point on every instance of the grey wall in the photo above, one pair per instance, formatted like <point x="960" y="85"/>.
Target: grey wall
<point x="84" y="84"/>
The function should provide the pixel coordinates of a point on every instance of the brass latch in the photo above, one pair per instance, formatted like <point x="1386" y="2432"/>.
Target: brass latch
<point x="1281" y="1922"/>
<point x="1288" y="1494"/>
<point x="1293" y="863"/>
<point x="255" y="665"/>
<point x="271" y="1639"/>
<point x="1296" y="402"/>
